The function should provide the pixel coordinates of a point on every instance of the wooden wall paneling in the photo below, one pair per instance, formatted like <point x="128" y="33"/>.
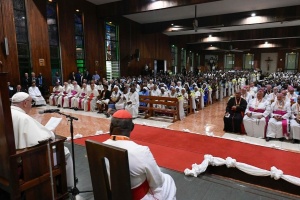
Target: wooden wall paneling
<point x="66" y="11"/>
<point x="38" y="37"/>
<point x="238" y="63"/>
<point x="7" y="29"/>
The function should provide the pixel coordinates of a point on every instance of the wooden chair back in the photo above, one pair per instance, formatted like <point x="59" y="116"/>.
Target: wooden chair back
<point x="119" y="187"/>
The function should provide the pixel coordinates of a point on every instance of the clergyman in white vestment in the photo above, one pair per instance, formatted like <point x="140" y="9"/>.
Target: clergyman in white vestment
<point x="28" y="132"/>
<point x="144" y="171"/>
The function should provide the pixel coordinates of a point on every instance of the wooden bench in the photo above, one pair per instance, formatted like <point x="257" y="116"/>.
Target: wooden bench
<point x="166" y="105"/>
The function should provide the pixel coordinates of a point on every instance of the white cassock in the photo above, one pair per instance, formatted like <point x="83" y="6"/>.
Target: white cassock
<point x="78" y="102"/>
<point x="255" y="127"/>
<point x="90" y="102"/>
<point x="279" y="129"/>
<point x="143" y="167"/>
<point x="66" y="90"/>
<point x="272" y="97"/>
<point x="57" y="90"/>
<point x="36" y="96"/>
<point x="69" y="99"/>
<point x="28" y="132"/>
<point x="295" y="126"/>
<point x="133" y="108"/>
<point x="247" y="97"/>
<point x="122" y="102"/>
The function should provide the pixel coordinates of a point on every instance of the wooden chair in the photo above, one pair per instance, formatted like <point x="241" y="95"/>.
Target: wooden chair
<point x="26" y="172"/>
<point x="119" y="187"/>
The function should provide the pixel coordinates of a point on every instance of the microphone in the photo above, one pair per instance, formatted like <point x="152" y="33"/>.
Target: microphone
<point x="49" y="111"/>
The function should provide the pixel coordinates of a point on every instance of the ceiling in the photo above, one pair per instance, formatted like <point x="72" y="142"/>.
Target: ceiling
<point x="222" y="7"/>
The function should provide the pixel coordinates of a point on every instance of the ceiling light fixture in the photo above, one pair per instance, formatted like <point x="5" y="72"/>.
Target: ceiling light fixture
<point x="172" y="24"/>
<point x="77" y="10"/>
<point x="253" y="15"/>
<point x="210" y="36"/>
<point x="266" y="42"/>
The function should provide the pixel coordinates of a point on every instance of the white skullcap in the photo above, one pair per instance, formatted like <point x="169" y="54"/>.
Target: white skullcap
<point x="19" y="97"/>
<point x="116" y="86"/>
<point x="162" y="88"/>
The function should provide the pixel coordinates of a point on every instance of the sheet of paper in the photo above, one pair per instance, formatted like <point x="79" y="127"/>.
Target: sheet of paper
<point x="53" y="123"/>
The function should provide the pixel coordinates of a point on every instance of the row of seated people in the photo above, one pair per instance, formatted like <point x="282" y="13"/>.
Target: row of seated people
<point x="91" y="97"/>
<point x="33" y="91"/>
<point x="267" y="115"/>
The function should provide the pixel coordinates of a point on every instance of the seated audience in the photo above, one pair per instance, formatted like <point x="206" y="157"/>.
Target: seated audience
<point x="103" y="99"/>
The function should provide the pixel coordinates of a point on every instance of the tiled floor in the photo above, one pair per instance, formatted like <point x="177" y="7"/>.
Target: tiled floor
<point x="208" y="121"/>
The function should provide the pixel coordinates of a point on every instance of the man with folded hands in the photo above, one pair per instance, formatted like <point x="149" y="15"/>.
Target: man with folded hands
<point x="256" y="116"/>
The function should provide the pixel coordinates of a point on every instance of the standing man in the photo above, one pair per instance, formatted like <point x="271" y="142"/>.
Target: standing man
<point x="145" y="174"/>
<point x="25" y="82"/>
<point x="235" y="109"/>
<point x="56" y="78"/>
<point x="41" y="83"/>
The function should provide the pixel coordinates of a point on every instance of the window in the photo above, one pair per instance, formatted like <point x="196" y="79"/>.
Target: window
<point x="174" y="54"/>
<point x="183" y="59"/>
<point x="291" y="62"/>
<point x="229" y="62"/>
<point x="53" y="37"/>
<point x="191" y="61"/>
<point x="112" y="50"/>
<point x="22" y="36"/>
<point x="79" y="40"/>
<point x="248" y="61"/>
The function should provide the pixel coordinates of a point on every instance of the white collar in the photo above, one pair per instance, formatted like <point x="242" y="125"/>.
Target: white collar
<point x="18" y="109"/>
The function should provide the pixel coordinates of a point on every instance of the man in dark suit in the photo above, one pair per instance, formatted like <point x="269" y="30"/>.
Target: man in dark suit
<point x="41" y="83"/>
<point x="87" y="76"/>
<point x="56" y="78"/>
<point x="25" y="82"/>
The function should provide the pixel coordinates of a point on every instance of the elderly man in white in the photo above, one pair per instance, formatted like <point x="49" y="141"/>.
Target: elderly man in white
<point x="29" y="132"/>
<point x="273" y="96"/>
<point x="133" y="102"/>
<point x="56" y="92"/>
<point x="256" y="116"/>
<point x="90" y="101"/>
<point x="65" y="91"/>
<point x="278" y="123"/>
<point x="36" y="95"/>
<point x="295" y="121"/>
<point x="72" y="94"/>
<point x="78" y="102"/>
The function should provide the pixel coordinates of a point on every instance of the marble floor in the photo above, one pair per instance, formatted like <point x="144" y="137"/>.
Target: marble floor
<point x="208" y="121"/>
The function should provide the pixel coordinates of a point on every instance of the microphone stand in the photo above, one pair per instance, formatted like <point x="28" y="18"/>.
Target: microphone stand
<point x="74" y="191"/>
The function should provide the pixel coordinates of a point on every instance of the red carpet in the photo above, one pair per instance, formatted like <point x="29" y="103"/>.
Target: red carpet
<point x="179" y="150"/>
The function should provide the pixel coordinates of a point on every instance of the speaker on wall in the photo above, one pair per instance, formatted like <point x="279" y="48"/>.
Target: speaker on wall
<point x="137" y="54"/>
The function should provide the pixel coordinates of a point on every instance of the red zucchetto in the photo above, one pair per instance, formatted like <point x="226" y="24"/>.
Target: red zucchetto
<point x="122" y="114"/>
